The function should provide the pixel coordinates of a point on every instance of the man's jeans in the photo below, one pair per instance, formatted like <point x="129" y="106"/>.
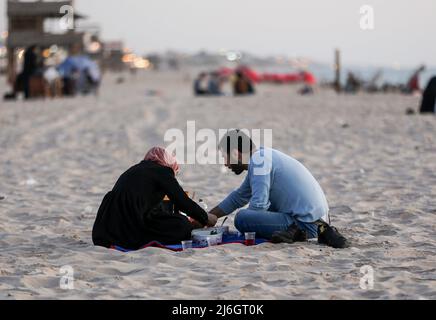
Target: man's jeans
<point x="265" y="223"/>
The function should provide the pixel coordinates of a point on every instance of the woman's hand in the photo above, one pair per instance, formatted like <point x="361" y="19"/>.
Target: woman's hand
<point x="212" y="220"/>
<point x="195" y="224"/>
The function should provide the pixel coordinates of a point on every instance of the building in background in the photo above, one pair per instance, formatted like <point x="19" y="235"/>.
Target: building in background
<point x="113" y="56"/>
<point x="93" y="44"/>
<point x="38" y="23"/>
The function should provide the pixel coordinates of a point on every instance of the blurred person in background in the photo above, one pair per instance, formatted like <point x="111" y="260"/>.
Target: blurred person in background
<point x="200" y="85"/>
<point x="32" y="64"/>
<point x="413" y="85"/>
<point x="242" y="85"/>
<point x="214" y="86"/>
<point x="79" y="73"/>
<point x="428" y="104"/>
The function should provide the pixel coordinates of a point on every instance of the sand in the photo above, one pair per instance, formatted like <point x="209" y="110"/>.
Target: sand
<point x="59" y="158"/>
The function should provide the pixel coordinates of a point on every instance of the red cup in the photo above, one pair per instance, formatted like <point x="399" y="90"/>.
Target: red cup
<point x="250" y="238"/>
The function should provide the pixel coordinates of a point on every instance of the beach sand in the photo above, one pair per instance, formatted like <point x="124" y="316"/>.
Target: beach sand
<point x="376" y="165"/>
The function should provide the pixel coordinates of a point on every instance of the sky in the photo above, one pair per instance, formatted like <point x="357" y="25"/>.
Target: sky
<point x="403" y="32"/>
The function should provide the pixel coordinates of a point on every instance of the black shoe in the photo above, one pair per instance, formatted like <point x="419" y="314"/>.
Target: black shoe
<point x="10" y="97"/>
<point x="331" y="237"/>
<point x="293" y="234"/>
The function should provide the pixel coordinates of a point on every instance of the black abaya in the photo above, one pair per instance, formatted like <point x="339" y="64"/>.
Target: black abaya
<point x="131" y="215"/>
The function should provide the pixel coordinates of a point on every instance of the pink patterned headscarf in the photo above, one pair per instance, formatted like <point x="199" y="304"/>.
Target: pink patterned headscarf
<point x="162" y="157"/>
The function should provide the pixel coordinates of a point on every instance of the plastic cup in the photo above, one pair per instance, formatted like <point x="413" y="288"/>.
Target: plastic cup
<point x="250" y="238"/>
<point x="212" y="241"/>
<point x="186" y="245"/>
<point x="220" y="238"/>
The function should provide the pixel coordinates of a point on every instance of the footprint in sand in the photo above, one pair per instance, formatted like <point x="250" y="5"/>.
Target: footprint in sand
<point x="158" y="282"/>
<point x="384" y="233"/>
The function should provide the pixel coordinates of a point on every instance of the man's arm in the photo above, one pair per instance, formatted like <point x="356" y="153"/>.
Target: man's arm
<point x="260" y="186"/>
<point x="235" y="200"/>
<point x="177" y="195"/>
<point x="261" y="174"/>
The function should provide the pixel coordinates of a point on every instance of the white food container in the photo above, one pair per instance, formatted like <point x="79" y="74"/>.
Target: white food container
<point x="223" y="230"/>
<point x="200" y="236"/>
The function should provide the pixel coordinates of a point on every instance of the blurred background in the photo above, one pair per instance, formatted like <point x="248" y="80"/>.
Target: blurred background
<point x="276" y="39"/>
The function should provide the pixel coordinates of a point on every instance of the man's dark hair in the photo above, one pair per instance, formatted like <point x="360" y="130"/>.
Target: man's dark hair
<point x="236" y="139"/>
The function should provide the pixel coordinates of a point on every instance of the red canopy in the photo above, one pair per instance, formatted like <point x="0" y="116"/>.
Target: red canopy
<point x="306" y="77"/>
<point x="309" y="78"/>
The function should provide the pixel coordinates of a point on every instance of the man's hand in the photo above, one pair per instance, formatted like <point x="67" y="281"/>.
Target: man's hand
<point x="217" y="212"/>
<point x="212" y="220"/>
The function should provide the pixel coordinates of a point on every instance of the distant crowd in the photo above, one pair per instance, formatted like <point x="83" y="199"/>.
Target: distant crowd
<point x="77" y="74"/>
<point x="211" y="84"/>
<point x="355" y="84"/>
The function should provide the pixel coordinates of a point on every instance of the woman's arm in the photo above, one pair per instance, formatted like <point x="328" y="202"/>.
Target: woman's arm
<point x="177" y="195"/>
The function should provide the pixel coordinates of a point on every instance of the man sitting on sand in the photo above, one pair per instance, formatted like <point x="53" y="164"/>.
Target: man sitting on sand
<point x="286" y="203"/>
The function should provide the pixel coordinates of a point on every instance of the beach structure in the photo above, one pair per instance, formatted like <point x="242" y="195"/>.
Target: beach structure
<point x="114" y="57"/>
<point x="93" y="43"/>
<point x="117" y="58"/>
<point x="27" y="25"/>
<point x="337" y="67"/>
<point x="3" y="51"/>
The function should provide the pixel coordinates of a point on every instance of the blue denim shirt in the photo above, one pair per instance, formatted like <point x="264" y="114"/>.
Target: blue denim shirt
<point x="278" y="183"/>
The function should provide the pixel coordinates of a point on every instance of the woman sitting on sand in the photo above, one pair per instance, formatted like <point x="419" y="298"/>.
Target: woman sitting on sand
<point x="131" y="215"/>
